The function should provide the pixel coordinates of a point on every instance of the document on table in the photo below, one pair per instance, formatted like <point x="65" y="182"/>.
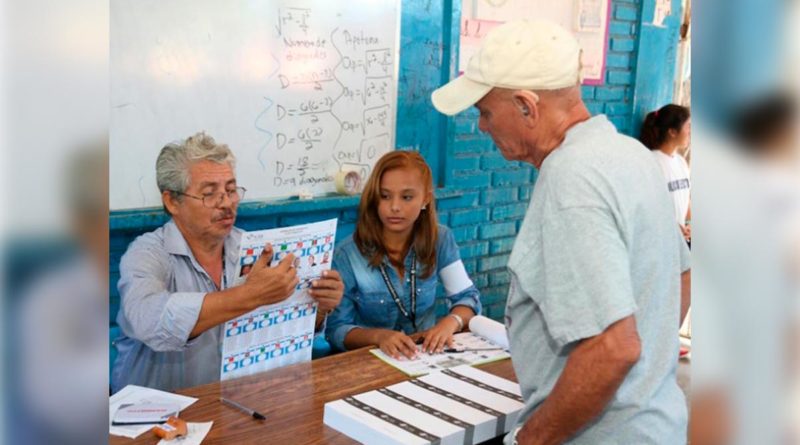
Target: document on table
<point x="279" y="334"/>
<point x="133" y="394"/>
<point x="426" y="363"/>
<point x="487" y="338"/>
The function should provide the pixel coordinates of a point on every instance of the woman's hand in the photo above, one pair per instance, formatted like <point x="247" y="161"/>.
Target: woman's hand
<point x="441" y="335"/>
<point x="397" y="345"/>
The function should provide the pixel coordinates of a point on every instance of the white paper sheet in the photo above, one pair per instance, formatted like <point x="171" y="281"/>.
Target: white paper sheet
<point x="195" y="434"/>
<point x="492" y="330"/>
<point x="425" y="363"/>
<point x="140" y="394"/>
<point x="409" y="414"/>
<point x="280" y="334"/>
<point x="590" y="15"/>
<point x="484" y="397"/>
<point x="662" y="11"/>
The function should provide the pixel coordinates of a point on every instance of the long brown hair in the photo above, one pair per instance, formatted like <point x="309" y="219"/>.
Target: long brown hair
<point x="368" y="235"/>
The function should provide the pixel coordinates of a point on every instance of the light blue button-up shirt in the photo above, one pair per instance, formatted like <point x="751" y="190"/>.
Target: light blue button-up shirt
<point x="367" y="302"/>
<point x="162" y="288"/>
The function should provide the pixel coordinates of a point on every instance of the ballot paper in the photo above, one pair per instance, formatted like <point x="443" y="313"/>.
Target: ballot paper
<point x="196" y="432"/>
<point x="280" y="334"/>
<point x="462" y="405"/>
<point x="133" y="394"/>
<point x="487" y="339"/>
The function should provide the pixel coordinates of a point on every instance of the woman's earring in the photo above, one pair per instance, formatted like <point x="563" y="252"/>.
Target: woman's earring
<point x="424" y="207"/>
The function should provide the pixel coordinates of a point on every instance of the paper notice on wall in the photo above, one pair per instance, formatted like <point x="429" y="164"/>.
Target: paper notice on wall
<point x="662" y="11"/>
<point x="590" y="15"/>
<point x="472" y="33"/>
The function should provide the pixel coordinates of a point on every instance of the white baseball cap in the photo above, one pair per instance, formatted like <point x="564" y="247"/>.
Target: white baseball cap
<point x="521" y="54"/>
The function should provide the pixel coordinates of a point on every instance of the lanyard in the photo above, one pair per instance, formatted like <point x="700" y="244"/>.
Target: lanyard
<point x="224" y="280"/>
<point x="396" y="298"/>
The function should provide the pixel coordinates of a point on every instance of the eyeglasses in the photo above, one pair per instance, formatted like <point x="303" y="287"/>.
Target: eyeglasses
<point x="214" y="200"/>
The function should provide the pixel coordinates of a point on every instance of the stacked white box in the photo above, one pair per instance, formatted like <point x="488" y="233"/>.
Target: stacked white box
<point x="462" y="405"/>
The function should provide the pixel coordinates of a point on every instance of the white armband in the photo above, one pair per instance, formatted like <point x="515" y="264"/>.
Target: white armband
<point x="455" y="278"/>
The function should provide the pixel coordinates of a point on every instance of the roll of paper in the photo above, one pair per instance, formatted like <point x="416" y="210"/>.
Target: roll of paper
<point x="348" y="183"/>
<point x="490" y="329"/>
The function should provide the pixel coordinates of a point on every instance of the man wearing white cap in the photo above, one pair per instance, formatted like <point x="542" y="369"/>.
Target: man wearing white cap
<point x="597" y="270"/>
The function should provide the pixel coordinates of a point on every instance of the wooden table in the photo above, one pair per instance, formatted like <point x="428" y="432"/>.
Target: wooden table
<point x="292" y="399"/>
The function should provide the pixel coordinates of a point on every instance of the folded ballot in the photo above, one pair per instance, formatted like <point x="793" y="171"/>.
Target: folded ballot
<point x="461" y="405"/>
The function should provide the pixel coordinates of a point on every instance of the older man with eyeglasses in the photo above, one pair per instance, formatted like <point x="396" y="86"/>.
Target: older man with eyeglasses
<point x="175" y="281"/>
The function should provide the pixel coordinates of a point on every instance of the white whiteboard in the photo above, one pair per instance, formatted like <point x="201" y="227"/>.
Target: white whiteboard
<point x="299" y="89"/>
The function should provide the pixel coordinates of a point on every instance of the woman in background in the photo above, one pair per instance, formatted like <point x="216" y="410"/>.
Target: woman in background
<point x="667" y="132"/>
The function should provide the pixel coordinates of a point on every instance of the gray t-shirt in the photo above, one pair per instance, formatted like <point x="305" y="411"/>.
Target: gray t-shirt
<point x="599" y="243"/>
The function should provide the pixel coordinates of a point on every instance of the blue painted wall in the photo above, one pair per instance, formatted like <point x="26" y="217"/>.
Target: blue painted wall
<point x="481" y="196"/>
<point x="656" y="56"/>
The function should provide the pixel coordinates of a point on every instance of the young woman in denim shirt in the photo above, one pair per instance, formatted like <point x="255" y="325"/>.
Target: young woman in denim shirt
<point x="398" y="247"/>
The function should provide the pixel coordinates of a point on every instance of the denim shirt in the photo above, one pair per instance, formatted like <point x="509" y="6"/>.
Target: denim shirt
<point x="367" y="302"/>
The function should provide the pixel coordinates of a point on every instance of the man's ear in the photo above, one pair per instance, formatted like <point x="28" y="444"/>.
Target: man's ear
<point x="170" y="202"/>
<point x="527" y="104"/>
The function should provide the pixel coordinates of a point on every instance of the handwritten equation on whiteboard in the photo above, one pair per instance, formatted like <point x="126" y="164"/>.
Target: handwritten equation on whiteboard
<point x="298" y="89"/>
<point x="346" y="107"/>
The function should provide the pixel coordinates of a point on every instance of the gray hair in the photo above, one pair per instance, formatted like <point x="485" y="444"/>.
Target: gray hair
<point x="176" y="158"/>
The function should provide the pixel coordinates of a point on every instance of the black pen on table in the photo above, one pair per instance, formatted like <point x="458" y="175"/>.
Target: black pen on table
<point x="455" y="351"/>
<point x="255" y="414"/>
